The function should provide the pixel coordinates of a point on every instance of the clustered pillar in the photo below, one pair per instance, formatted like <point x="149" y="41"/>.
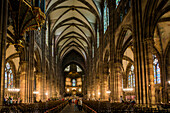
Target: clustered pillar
<point x="3" y="37"/>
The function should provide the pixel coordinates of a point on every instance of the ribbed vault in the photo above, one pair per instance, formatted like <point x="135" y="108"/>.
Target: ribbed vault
<point x="72" y="23"/>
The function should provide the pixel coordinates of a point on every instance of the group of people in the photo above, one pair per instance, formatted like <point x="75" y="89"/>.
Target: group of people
<point x="9" y="100"/>
<point x="77" y="104"/>
<point x="130" y="101"/>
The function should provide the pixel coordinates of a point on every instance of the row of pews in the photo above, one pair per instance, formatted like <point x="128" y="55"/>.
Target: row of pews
<point x="107" y="107"/>
<point x="42" y="107"/>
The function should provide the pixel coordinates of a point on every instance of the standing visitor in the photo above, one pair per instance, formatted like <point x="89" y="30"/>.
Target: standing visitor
<point x="69" y="101"/>
<point x="121" y="99"/>
<point x="75" y="104"/>
<point x="80" y="104"/>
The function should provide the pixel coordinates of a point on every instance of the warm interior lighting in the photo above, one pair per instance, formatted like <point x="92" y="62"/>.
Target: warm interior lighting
<point x="108" y="92"/>
<point x="73" y="88"/>
<point x="46" y="93"/>
<point x="93" y="94"/>
<point x="98" y="93"/>
<point x="169" y="82"/>
<point x="127" y="89"/>
<point x="35" y="92"/>
<point x="80" y="90"/>
<point x="68" y="90"/>
<point x="14" y="90"/>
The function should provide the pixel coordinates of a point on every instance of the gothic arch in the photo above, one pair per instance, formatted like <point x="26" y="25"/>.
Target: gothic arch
<point x="124" y="40"/>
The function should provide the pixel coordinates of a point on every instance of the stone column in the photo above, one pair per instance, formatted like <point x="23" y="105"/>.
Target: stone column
<point x="50" y="73"/>
<point x="104" y="84"/>
<point x="3" y="37"/>
<point x="112" y="27"/>
<point x="139" y="54"/>
<point x="43" y="83"/>
<point x="112" y="80"/>
<point x="38" y="86"/>
<point x="23" y="81"/>
<point x="150" y="72"/>
<point x="118" y="82"/>
<point x="31" y="66"/>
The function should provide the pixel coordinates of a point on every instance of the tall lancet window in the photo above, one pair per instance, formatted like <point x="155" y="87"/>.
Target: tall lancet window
<point x="73" y="82"/>
<point x="131" y="77"/>
<point x="8" y="76"/>
<point x="98" y="41"/>
<point x="117" y="3"/>
<point x="157" y="78"/>
<point x="106" y="16"/>
<point x="46" y="39"/>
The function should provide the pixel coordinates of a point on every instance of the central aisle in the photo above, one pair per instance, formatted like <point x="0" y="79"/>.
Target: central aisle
<point x="70" y="109"/>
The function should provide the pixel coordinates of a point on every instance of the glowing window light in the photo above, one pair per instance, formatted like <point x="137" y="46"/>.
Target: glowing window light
<point x="117" y="3"/>
<point x="73" y="82"/>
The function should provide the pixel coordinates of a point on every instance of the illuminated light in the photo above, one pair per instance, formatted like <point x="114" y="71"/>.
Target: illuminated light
<point x="46" y="93"/>
<point x="93" y="94"/>
<point x="99" y="93"/>
<point x="14" y="90"/>
<point x="169" y="82"/>
<point x="68" y="90"/>
<point x="80" y="90"/>
<point x="35" y="92"/>
<point x="108" y="92"/>
<point x="128" y="89"/>
<point x="73" y="88"/>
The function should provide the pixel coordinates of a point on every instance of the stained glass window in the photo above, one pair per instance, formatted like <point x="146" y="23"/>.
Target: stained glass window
<point x="73" y="82"/>
<point x="157" y="78"/>
<point x="117" y="3"/>
<point x="67" y="68"/>
<point x="93" y="51"/>
<point x="97" y="35"/>
<point x="47" y="33"/>
<point x="5" y="79"/>
<point x="78" y="69"/>
<point x="8" y="76"/>
<point x="131" y="78"/>
<point x="106" y="16"/>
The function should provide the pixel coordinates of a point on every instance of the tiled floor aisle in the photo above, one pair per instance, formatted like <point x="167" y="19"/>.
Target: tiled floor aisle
<point x="70" y="109"/>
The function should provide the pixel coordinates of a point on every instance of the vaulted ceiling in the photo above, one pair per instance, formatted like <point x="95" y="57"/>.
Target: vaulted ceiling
<point x="72" y="23"/>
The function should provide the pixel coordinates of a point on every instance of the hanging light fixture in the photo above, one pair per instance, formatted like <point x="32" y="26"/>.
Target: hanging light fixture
<point x="35" y="92"/>
<point x="127" y="89"/>
<point x="99" y="93"/>
<point x="108" y="92"/>
<point x="13" y="90"/>
<point x="46" y="93"/>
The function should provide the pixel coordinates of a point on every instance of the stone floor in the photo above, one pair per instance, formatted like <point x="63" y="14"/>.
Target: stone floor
<point x="70" y="109"/>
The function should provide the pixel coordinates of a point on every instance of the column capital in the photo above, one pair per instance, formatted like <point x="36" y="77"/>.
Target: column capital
<point x="149" y="40"/>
